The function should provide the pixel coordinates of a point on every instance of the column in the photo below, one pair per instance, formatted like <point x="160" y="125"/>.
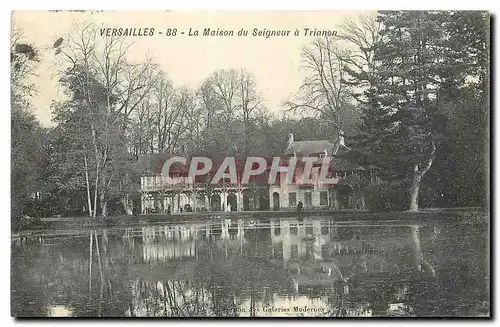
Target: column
<point x="272" y="230"/>
<point x="177" y="202"/>
<point x="317" y="252"/>
<point x="194" y="200"/>
<point x="207" y="203"/>
<point x="222" y="201"/>
<point x="241" y="228"/>
<point x="239" y="201"/>
<point x="315" y="198"/>
<point x="287" y="246"/>
<point x="335" y="200"/>
<point x="143" y="204"/>
<point x="225" y="230"/>
<point x="284" y="199"/>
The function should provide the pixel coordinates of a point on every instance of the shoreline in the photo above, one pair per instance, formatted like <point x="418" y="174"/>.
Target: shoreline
<point x="427" y="216"/>
<point x="268" y="214"/>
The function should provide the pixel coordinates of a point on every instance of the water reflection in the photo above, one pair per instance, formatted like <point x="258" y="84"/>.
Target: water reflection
<point x="245" y="268"/>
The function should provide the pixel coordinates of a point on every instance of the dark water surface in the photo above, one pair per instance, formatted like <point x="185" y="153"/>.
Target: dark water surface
<point x="260" y="268"/>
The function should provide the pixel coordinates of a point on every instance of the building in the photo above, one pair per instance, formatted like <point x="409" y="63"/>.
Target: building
<point x="178" y="192"/>
<point x="350" y="178"/>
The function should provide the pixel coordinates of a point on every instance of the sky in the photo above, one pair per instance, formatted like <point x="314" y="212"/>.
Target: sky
<point x="275" y="61"/>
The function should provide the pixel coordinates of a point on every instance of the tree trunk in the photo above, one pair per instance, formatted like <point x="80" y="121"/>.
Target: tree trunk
<point x="127" y="206"/>
<point x="417" y="177"/>
<point x="104" y="206"/>
<point x="89" y="201"/>
<point x="90" y="264"/>
<point x="101" y="289"/>
<point x="414" y="189"/>
<point x="95" y="190"/>
<point x="416" y="247"/>
<point x="96" y="168"/>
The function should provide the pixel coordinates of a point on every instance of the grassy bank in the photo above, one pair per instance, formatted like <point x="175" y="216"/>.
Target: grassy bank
<point x="448" y="216"/>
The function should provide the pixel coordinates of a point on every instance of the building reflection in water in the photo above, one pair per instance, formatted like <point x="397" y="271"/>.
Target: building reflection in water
<point x="244" y="268"/>
<point x="321" y="261"/>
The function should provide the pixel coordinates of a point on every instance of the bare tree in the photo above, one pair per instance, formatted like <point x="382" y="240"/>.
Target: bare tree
<point x="109" y="88"/>
<point x="219" y="101"/>
<point x="323" y="92"/>
<point x="166" y="114"/>
<point x="228" y="98"/>
<point x="225" y="86"/>
<point x="249" y="101"/>
<point x="141" y="134"/>
<point x="362" y="35"/>
<point x="23" y="57"/>
<point x="208" y="102"/>
<point x="188" y="131"/>
<point x="210" y="107"/>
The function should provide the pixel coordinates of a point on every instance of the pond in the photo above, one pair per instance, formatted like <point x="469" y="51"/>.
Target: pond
<point x="245" y="268"/>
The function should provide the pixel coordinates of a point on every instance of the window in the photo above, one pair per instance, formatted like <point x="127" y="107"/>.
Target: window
<point x="292" y="199"/>
<point x="323" y="198"/>
<point x="293" y="230"/>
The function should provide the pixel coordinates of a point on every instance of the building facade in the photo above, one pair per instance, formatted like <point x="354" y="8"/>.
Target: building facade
<point x="178" y="193"/>
<point x="346" y="192"/>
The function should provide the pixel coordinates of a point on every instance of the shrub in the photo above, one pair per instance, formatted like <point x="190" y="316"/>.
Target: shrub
<point x="28" y="222"/>
<point x="387" y="196"/>
<point x="430" y="197"/>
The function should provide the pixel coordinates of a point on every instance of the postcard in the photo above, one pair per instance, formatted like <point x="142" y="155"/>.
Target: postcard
<point x="292" y="164"/>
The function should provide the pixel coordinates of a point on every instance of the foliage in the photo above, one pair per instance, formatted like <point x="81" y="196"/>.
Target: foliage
<point x="31" y="223"/>
<point x="26" y="153"/>
<point x="411" y="102"/>
<point x="387" y="196"/>
<point x="27" y="136"/>
<point x="409" y="89"/>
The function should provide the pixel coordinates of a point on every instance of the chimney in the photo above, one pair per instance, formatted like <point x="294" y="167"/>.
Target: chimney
<point x="341" y="138"/>
<point x="290" y="138"/>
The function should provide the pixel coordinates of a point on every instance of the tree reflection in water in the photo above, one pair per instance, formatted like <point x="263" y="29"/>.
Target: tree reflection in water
<point x="233" y="268"/>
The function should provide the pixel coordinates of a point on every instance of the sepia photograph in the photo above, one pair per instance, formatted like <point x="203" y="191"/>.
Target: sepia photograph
<point x="244" y="164"/>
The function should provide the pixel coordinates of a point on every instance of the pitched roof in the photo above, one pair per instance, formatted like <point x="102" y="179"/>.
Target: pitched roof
<point x="306" y="148"/>
<point x="341" y="154"/>
<point x="150" y="164"/>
